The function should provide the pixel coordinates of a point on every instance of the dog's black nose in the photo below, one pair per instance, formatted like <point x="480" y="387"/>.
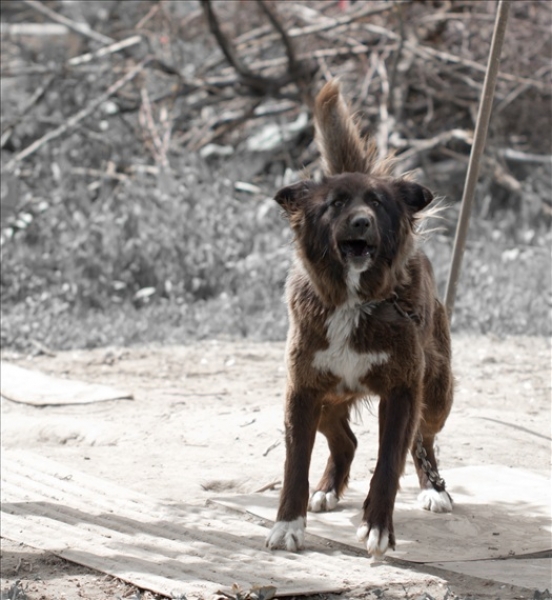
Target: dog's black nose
<point x="360" y="224"/>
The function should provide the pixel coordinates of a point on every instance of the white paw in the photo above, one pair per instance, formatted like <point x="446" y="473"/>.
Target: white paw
<point x="287" y="534"/>
<point x="377" y="541"/>
<point x="321" y="501"/>
<point x="439" y="502"/>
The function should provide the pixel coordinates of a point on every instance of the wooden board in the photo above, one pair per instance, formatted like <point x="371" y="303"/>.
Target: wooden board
<point x="533" y="573"/>
<point x="168" y="549"/>
<point x="497" y="512"/>
<point x="32" y="387"/>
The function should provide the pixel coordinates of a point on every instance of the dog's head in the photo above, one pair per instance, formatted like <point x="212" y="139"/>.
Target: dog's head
<point x="353" y="227"/>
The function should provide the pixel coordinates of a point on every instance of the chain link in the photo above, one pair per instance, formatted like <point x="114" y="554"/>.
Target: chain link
<point x="432" y="474"/>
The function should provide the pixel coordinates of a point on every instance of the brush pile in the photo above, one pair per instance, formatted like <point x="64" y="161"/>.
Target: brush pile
<point x="118" y="117"/>
<point x="157" y="78"/>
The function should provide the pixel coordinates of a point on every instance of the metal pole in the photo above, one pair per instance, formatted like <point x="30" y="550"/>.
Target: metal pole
<point x="480" y="137"/>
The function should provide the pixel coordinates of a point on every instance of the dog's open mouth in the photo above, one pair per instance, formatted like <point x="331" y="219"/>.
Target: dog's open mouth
<point x="356" y="249"/>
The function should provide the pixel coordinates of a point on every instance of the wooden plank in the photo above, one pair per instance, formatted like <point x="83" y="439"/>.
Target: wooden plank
<point x="497" y="512"/>
<point x="533" y="573"/>
<point x="32" y="387"/>
<point x="168" y="549"/>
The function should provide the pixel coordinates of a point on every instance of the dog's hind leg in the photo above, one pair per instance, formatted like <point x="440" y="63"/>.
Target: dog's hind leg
<point x="438" y="392"/>
<point x="334" y="424"/>
<point x="434" y="496"/>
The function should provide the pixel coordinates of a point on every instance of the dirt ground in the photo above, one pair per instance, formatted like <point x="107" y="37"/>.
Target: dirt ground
<point x="207" y="418"/>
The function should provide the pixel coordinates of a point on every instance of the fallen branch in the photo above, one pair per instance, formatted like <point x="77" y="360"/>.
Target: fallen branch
<point x="14" y="30"/>
<point x="158" y="144"/>
<point x="76" y="118"/>
<point x="293" y="65"/>
<point x="39" y="93"/>
<point x="518" y="156"/>
<point x="111" y="49"/>
<point x="97" y="174"/>
<point x="77" y="27"/>
<point x="427" y="52"/>
<point x="329" y="23"/>
<point x="268" y="486"/>
<point x="258" y="83"/>
<point x="418" y="146"/>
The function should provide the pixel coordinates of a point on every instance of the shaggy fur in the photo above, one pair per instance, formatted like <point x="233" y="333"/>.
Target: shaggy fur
<point x="364" y="320"/>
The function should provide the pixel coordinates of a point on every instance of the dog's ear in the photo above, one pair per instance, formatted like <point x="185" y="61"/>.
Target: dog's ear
<point x="415" y="196"/>
<point x="292" y="197"/>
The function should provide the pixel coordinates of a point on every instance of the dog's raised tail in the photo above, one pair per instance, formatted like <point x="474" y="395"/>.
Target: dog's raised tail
<point x="340" y="144"/>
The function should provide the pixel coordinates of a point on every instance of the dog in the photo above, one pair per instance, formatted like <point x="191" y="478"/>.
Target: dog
<point x="365" y="321"/>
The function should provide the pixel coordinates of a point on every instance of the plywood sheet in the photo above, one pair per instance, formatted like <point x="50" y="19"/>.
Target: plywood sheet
<point x="497" y="512"/>
<point x="32" y="387"/>
<point x="166" y="548"/>
<point x="533" y="573"/>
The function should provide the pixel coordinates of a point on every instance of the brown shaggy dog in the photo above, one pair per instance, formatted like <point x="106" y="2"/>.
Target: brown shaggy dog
<point x="364" y="320"/>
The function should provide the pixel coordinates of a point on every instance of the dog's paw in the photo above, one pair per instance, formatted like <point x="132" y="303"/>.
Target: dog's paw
<point x="288" y="535"/>
<point x="323" y="501"/>
<point x="439" y="502"/>
<point x="377" y="540"/>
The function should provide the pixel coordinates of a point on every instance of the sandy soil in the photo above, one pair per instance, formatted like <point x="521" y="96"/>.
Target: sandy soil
<point x="207" y="418"/>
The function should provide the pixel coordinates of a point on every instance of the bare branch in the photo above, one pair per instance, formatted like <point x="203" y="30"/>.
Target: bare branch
<point x="76" y="118"/>
<point x="78" y="27"/>
<point x="39" y="93"/>
<point x="258" y="83"/>
<point x="111" y="49"/>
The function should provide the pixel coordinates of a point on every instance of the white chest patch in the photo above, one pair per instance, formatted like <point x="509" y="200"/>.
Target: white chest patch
<point x="339" y="358"/>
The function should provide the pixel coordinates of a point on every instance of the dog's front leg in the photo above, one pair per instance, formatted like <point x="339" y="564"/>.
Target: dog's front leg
<point x="398" y="418"/>
<point x="303" y="409"/>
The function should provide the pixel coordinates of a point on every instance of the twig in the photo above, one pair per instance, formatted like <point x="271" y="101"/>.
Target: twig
<point x="258" y="83"/>
<point x="158" y="146"/>
<point x="96" y="173"/>
<point x="517" y="155"/>
<point x="329" y="24"/>
<point x="322" y="53"/>
<point x="396" y="60"/>
<point x="76" y="118"/>
<point x="298" y="32"/>
<point x="427" y="52"/>
<point x="294" y="67"/>
<point x="519" y="90"/>
<point x="418" y="146"/>
<point x="78" y="27"/>
<point x="112" y="48"/>
<point x="206" y="138"/>
<point x="271" y="447"/>
<point x="39" y="93"/>
<point x="33" y="29"/>
<point x="383" y="129"/>
<point x="268" y="486"/>
<point x="151" y="13"/>
<point x="43" y="348"/>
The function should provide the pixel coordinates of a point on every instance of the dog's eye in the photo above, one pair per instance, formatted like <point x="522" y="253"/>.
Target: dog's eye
<point x="339" y="201"/>
<point x="373" y="201"/>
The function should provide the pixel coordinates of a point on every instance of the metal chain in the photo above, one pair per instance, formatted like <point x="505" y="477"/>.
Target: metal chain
<point x="394" y="299"/>
<point x="432" y="474"/>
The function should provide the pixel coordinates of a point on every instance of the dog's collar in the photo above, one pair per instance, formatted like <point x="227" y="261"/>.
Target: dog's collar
<point x="369" y="307"/>
<point x="394" y="300"/>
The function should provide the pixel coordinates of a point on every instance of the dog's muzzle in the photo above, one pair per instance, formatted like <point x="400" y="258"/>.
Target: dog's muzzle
<point x="358" y="242"/>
